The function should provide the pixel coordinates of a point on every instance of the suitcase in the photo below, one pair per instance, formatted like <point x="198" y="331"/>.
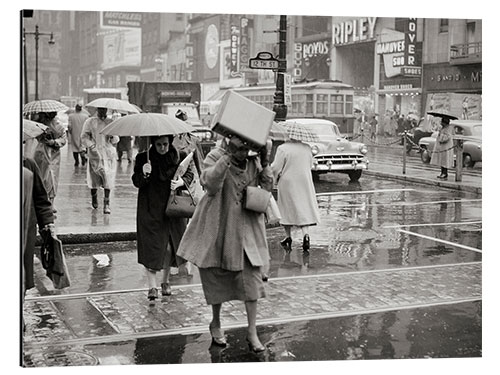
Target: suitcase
<point x="243" y="117"/>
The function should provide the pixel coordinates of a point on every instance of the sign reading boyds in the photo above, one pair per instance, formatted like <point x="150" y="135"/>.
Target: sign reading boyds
<point x="121" y="19"/>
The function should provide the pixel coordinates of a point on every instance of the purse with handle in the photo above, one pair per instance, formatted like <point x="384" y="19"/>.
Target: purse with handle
<point x="257" y="199"/>
<point x="180" y="205"/>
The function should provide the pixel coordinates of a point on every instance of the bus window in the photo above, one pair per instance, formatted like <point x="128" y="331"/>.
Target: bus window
<point x="322" y="104"/>
<point x="298" y="104"/>
<point x="336" y="104"/>
<point x="348" y="105"/>
<point x="309" y="104"/>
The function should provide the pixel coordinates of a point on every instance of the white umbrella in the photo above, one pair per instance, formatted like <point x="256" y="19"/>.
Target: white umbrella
<point x="147" y="125"/>
<point x="113" y="104"/>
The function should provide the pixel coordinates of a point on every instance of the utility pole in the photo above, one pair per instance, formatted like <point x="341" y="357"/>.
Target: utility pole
<point x="279" y="97"/>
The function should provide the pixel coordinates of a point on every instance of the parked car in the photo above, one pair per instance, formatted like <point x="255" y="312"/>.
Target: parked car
<point x="415" y="134"/>
<point x="472" y="129"/>
<point x="334" y="153"/>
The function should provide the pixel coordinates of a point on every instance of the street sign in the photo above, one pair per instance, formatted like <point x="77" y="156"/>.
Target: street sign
<point x="264" y="60"/>
<point x="288" y="89"/>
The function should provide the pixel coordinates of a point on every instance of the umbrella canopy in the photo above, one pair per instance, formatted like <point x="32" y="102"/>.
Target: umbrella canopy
<point x="32" y="129"/>
<point x="44" y="105"/>
<point x="147" y="124"/>
<point x="113" y="104"/>
<point x="278" y="132"/>
<point x="442" y="113"/>
<point x="300" y="133"/>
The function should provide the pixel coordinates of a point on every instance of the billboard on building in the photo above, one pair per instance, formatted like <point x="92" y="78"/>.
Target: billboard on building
<point x="121" y="19"/>
<point x="122" y="48"/>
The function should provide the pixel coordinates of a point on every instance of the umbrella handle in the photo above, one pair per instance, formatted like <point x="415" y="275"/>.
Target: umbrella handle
<point x="147" y="148"/>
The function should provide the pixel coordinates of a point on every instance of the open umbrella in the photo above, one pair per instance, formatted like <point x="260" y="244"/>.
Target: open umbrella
<point x="32" y="129"/>
<point x="44" y="105"/>
<point x="278" y="132"/>
<point x="113" y="104"/>
<point x="300" y="133"/>
<point x="442" y="113"/>
<point x="147" y="124"/>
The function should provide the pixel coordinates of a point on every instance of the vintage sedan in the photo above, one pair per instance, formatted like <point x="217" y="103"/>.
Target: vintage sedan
<point x="471" y="130"/>
<point x="334" y="153"/>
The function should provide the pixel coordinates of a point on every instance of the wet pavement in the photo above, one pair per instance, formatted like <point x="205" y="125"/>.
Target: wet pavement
<point x="393" y="265"/>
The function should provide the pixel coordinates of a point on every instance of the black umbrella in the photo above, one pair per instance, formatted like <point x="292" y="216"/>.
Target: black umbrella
<point x="442" y="113"/>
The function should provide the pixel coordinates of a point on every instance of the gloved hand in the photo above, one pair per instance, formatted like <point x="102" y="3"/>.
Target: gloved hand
<point x="146" y="169"/>
<point x="264" y="156"/>
<point x="175" y="184"/>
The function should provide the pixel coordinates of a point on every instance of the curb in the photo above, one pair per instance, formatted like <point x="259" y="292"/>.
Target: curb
<point x="424" y="181"/>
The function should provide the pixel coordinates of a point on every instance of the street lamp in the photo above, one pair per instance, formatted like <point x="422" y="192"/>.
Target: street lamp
<point x="37" y="35"/>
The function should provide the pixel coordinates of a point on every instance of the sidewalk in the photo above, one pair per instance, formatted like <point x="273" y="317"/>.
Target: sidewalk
<point x="77" y="222"/>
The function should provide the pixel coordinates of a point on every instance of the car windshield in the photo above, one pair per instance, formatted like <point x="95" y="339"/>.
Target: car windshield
<point x="326" y="132"/>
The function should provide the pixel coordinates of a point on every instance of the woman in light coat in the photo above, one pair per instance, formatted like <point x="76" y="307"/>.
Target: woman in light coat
<point x="296" y="194"/>
<point x="442" y="155"/>
<point x="47" y="153"/>
<point x="226" y="241"/>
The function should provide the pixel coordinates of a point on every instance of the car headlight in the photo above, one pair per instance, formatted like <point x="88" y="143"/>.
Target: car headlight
<point x="363" y="149"/>
<point x="315" y="150"/>
<point x="208" y="136"/>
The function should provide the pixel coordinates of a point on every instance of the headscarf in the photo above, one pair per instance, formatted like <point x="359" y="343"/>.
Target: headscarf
<point x="163" y="166"/>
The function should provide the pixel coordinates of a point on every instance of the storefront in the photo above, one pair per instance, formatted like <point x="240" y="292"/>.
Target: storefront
<point x="399" y="67"/>
<point x="456" y="88"/>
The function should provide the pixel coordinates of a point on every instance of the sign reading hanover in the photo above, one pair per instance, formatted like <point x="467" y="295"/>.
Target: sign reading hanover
<point x="264" y="60"/>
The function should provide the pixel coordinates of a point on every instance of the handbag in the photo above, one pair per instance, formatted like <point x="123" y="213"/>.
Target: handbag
<point x="53" y="260"/>
<point x="273" y="214"/>
<point x="180" y="205"/>
<point x="257" y="199"/>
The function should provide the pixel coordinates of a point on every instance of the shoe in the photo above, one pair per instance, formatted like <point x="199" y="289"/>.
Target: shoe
<point x="255" y="348"/>
<point x="306" y="243"/>
<point x="153" y="294"/>
<point x="265" y="277"/>
<point x="165" y="289"/>
<point x="76" y="164"/>
<point x="95" y="204"/>
<point x="287" y="244"/>
<point x="106" y="209"/>
<point x="218" y="337"/>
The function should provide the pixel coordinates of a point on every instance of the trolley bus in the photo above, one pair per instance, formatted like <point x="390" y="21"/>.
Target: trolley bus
<point x="329" y="100"/>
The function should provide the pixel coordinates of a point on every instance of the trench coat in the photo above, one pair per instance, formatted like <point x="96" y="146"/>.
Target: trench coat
<point x="75" y="126"/>
<point x="101" y="153"/>
<point x="37" y="209"/>
<point x="157" y="234"/>
<point x="442" y="155"/>
<point x="296" y="194"/>
<point x="222" y="231"/>
<point x="48" y="158"/>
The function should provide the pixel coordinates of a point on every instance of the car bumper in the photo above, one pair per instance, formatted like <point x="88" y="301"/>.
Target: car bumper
<point x="340" y="167"/>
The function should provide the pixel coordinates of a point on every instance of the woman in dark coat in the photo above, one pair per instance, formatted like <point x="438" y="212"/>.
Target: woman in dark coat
<point x="226" y="241"/>
<point x="158" y="236"/>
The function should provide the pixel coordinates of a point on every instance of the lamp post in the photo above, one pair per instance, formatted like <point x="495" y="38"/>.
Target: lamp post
<point x="279" y="106"/>
<point x="37" y="35"/>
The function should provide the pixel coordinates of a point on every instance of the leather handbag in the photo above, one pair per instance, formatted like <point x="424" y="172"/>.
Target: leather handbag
<point x="54" y="261"/>
<point x="257" y="199"/>
<point x="180" y="205"/>
<point x="273" y="215"/>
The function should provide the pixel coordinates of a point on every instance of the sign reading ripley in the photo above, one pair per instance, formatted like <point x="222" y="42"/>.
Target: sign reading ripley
<point x="121" y="19"/>
<point x="357" y="30"/>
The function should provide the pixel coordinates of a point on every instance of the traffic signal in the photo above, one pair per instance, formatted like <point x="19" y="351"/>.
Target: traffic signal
<point x="279" y="97"/>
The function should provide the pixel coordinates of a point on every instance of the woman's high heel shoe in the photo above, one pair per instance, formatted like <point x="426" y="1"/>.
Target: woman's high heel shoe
<point x="306" y="243"/>
<point x="255" y="348"/>
<point x="218" y="337"/>
<point x="287" y="244"/>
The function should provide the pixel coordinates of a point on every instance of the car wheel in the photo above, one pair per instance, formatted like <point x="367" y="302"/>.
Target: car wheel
<point x="425" y="155"/>
<point x="355" y="175"/>
<point x="468" y="162"/>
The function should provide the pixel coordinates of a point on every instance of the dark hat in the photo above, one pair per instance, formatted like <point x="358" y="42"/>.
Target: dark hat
<point x="78" y="107"/>
<point x="181" y="115"/>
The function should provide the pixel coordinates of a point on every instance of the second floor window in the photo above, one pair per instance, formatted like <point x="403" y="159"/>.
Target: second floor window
<point x="443" y="25"/>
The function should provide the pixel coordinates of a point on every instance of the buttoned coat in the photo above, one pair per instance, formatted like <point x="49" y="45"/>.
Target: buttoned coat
<point x="442" y="155"/>
<point x="222" y="231"/>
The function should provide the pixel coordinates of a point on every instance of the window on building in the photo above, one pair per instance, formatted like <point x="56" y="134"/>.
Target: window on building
<point x="309" y="104"/>
<point x="298" y="104"/>
<point x="443" y="25"/>
<point x="348" y="104"/>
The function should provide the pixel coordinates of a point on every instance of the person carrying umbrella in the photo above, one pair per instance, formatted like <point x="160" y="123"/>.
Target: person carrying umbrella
<point x="296" y="194"/>
<point x="442" y="155"/>
<point x="101" y="156"/>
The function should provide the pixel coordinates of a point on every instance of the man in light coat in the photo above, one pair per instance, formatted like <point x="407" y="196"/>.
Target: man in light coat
<point x="75" y="125"/>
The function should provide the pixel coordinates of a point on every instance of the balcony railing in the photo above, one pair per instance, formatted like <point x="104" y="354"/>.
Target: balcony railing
<point x="466" y="53"/>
